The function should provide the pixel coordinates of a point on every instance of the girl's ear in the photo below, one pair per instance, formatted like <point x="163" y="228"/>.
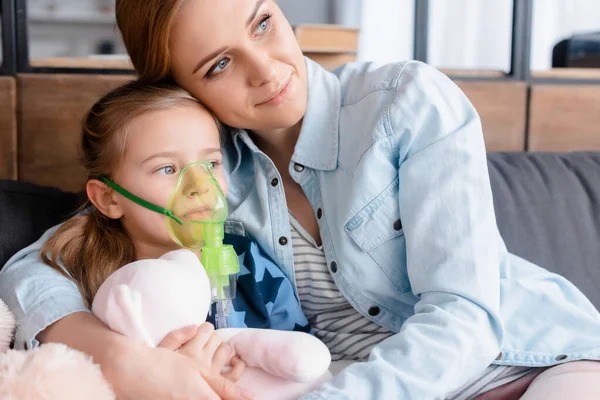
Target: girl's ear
<point x="104" y="198"/>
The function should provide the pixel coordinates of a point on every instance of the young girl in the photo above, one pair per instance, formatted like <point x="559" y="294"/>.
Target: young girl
<point x="141" y="137"/>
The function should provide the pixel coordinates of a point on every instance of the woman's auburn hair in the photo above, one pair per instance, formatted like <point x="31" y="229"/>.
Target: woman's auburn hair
<point x="145" y="27"/>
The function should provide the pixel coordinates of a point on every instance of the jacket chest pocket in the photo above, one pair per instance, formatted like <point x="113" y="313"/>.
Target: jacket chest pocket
<point x="377" y="230"/>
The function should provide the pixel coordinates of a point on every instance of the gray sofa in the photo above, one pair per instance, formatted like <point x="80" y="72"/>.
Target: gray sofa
<point x="547" y="207"/>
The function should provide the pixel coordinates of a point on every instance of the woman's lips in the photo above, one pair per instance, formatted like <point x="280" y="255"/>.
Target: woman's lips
<point x="280" y="96"/>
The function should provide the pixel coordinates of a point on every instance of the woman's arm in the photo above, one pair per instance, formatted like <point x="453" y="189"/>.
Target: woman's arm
<point x="136" y="371"/>
<point x="49" y="308"/>
<point x="453" y="249"/>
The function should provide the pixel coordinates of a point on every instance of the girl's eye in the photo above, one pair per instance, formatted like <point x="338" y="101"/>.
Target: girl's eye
<point x="218" y="67"/>
<point x="213" y="164"/>
<point x="166" y="170"/>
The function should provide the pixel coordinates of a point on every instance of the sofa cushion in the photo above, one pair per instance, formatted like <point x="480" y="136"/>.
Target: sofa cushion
<point x="27" y="210"/>
<point x="548" y="212"/>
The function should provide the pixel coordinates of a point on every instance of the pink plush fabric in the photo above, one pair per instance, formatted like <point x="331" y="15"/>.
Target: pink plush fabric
<point x="282" y="365"/>
<point x="49" y="372"/>
<point x="7" y="326"/>
<point x="147" y="299"/>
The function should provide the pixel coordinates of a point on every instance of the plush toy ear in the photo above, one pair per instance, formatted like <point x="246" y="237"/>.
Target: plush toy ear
<point x="7" y="327"/>
<point x="124" y="314"/>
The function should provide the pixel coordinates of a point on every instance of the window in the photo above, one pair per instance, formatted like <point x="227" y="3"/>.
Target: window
<point x="470" y="34"/>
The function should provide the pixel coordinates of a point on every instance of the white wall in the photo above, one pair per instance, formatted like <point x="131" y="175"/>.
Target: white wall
<point x="306" y="11"/>
<point x="386" y="30"/>
<point x="471" y="34"/>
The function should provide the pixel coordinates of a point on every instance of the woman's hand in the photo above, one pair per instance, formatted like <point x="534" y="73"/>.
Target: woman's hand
<point x="207" y="348"/>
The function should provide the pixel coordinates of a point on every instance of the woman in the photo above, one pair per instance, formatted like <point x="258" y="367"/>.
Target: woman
<point x="369" y="187"/>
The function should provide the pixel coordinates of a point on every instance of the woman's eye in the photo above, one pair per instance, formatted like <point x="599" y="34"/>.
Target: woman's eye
<point x="264" y="24"/>
<point x="219" y="67"/>
<point x="167" y="170"/>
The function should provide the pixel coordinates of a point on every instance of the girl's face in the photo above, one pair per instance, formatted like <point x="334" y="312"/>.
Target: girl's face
<point x="158" y="146"/>
<point x="241" y="59"/>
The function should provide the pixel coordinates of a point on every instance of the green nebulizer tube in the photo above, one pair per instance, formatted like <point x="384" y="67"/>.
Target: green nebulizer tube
<point x="199" y="210"/>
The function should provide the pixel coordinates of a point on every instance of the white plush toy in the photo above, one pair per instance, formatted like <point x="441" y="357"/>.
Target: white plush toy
<point x="147" y="299"/>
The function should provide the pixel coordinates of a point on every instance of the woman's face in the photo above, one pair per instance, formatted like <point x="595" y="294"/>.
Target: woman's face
<point x="241" y="59"/>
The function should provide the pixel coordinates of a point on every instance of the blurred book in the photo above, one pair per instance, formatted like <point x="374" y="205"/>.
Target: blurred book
<point x="328" y="45"/>
<point x="331" y="61"/>
<point x="326" y="38"/>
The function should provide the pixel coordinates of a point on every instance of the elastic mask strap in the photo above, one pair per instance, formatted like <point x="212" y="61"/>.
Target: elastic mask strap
<point x="138" y="200"/>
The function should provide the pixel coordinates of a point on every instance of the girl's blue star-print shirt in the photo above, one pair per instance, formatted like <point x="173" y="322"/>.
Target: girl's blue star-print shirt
<point x="264" y="297"/>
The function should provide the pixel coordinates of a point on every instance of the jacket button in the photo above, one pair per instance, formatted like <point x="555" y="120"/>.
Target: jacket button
<point x="373" y="311"/>
<point x="283" y="241"/>
<point x="561" y="357"/>
<point x="397" y="225"/>
<point x="274" y="182"/>
<point x="333" y="267"/>
<point x="319" y="213"/>
<point x="298" y="167"/>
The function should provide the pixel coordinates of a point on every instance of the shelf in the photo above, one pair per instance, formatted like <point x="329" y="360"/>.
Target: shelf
<point x="73" y="18"/>
<point x="568" y="73"/>
<point x="74" y="62"/>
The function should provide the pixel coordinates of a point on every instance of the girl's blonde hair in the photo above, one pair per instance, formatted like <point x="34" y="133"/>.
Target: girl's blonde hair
<point x="92" y="246"/>
<point x="145" y="27"/>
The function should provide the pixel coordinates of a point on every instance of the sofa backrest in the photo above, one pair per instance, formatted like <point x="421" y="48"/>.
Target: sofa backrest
<point x="548" y="212"/>
<point x="27" y="210"/>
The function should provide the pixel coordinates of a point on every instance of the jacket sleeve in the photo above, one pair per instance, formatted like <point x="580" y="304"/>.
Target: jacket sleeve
<point x="453" y="249"/>
<point x="36" y="294"/>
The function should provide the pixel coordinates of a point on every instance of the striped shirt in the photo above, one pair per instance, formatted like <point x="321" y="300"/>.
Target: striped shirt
<point x="348" y="334"/>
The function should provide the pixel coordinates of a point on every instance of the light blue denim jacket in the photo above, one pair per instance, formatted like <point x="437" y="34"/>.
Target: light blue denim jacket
<point x="394" y="158"/>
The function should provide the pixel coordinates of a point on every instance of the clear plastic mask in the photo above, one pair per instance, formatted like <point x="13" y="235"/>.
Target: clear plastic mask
<point x="199" y="207"/>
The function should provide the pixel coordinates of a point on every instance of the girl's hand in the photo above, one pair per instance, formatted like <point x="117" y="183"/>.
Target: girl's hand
<point x="142" y="372"/>
<point x="208" y="349"/>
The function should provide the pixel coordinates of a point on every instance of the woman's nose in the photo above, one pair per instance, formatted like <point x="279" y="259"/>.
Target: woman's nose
<point x="263" y="69"/>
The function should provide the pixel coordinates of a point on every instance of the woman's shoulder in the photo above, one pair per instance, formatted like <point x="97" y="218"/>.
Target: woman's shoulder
<point x="361" y="79"/>
<point x="410" y="103"/>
